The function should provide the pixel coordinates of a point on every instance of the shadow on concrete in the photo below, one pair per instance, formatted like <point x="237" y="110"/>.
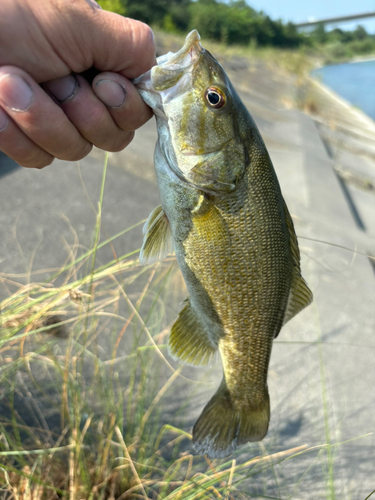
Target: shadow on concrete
<point x="292" y="427"/>
<point x="7" y="165"/>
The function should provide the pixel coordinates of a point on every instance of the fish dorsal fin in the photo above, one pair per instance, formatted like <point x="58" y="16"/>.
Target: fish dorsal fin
<point x="157" y="241"/>
<point x="300" y="294"/>
<point x="188" y="340"/>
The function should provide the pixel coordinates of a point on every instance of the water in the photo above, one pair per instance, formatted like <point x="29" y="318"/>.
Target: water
<point x="355" y="82"/>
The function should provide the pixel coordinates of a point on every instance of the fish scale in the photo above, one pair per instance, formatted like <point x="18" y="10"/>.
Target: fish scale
<point x="223" y="213"/>
<point x="238" y="314"/>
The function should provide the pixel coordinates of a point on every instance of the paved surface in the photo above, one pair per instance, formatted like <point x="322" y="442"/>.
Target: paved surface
<point x="322" y="368"/>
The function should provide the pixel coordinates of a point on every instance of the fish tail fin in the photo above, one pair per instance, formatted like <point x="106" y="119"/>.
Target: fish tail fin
<point x="221" y="426"/>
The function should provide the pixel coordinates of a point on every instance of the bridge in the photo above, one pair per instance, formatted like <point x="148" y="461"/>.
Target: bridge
<point x="331" y="20"/>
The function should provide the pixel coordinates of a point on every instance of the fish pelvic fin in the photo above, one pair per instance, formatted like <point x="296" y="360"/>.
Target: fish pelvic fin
<point x="157" y="241"/>
<point x="188" y="340"/>
<point x="222" y="426"/>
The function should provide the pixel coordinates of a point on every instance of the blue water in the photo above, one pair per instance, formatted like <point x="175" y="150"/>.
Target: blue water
<point x="353" y="81"/>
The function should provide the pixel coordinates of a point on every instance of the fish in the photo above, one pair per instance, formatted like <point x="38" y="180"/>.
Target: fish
<point x="223" y="215"/>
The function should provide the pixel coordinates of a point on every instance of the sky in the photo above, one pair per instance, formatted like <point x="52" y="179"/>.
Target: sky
<point x="307" y="10"/>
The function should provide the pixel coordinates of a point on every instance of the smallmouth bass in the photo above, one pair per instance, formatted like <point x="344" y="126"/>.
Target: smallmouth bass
<point x="223" y="214"/>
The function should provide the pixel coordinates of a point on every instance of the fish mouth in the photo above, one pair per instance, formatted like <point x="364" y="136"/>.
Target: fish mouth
<point x="171" y="75"/>
<point x="187" y="55"/>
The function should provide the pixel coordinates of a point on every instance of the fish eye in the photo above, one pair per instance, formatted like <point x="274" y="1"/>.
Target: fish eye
<point x="215" y="97"/>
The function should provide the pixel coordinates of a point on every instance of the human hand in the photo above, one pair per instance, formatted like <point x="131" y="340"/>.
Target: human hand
<point x="47" y="108"/>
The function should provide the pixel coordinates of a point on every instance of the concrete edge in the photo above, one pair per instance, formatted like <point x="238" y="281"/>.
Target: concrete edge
<point x="368" y="122"/>
<point x="326" y="193"/>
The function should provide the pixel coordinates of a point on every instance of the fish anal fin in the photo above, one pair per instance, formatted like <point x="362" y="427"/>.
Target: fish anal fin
<point x="300" y="294"/>
<point x="222" y="426"/>
<point x="293" y="240"/>
<point x="157" y="241"/>
<point x="189" y="341"/>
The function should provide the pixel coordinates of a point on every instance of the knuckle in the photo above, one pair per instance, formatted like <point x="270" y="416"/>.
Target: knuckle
<point x="39" y="159"/>
<point x="119" y="144"/>
<point x="145" y="39"/>
<point x="148" y="34"/>
<point x="46" y="163"/>
<point x="78" y="154"/>
<point x="23" y="150"/>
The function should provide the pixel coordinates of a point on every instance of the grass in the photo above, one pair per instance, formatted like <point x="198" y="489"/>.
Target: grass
<point x="293" y="61"/>
<point x="86" y="386"/>
<point x="81" y="419"/>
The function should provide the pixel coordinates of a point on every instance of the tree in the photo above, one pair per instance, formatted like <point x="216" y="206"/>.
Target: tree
<point x="319" y="34"/>
<point x="360" y="33"/>
<point x="113" y="5"/>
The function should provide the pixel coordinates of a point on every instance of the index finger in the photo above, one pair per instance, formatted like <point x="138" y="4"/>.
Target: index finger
<point x="85" y="37"/>
<point x="128" y="47"/>
<point x="54" y="38"/>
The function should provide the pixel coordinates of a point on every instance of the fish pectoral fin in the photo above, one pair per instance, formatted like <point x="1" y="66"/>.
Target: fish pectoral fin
<point x="204" y="178"/>
<point x="188" y="340"/>
<point x="221" y="426"/>
<point x="157" y="241"/>
<point x="300" y="296"/>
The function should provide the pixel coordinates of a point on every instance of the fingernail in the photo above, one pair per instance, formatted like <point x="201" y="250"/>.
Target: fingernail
<point x="15" y="93"/>
<point x="4" y="120"/>
<point x="63" y="88"/>
<point x="111" y="93"/>
<point x="93" y="4"/>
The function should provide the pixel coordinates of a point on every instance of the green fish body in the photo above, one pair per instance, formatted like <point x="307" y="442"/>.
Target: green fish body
<point x="223" y="214"/>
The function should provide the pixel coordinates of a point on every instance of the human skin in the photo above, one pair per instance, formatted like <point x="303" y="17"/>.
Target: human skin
<point x="47" y="108"/>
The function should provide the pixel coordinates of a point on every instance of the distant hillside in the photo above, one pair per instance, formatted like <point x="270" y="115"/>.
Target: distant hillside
<point x="235" y="22"/>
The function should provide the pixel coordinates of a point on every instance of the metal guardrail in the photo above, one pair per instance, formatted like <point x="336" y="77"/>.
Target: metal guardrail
<point x="335" y="19"/>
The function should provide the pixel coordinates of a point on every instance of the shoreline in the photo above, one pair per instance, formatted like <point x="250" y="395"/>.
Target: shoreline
<point x="355" y="60"/>
<point x="317" y="78"/>
<point x="361" y="115"/>
<point x="362" y="59"/>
